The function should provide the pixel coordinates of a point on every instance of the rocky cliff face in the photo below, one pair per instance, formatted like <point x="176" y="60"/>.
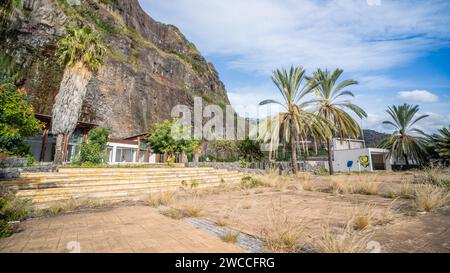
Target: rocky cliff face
<point x="150" y="67"/>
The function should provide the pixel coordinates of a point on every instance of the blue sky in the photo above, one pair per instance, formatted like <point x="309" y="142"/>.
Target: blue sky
<point x="399" y="51"/>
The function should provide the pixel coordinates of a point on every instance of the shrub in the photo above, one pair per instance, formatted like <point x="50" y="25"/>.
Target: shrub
<point x="12" y="209"/>
<point x="249" y="182"/>
<point x="230" y="236"/>
<point x="17" y="120"/>
<point x="321" y="171"/>
<point x="362" y="217"/>
<point x="94" y="151"/>
<point x="282" y="234"/>
<point x="192" y="207"/>
<point x="432" y="176"/>
<point x="161" y="199"/>
<point x="367" y="188"/>
<point x="430" y="197"/>
<point x="307" y="187"/>
<point x="341" y="240"/>
<point x="172" y="213"/>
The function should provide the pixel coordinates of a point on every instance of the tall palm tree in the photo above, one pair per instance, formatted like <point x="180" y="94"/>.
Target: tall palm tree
<point x="439" y="146"/>
<point x="334" y="109"/>
<point x="295" y="121"/>
<point x="81" y="51"/>
<point x="403" y="144"/>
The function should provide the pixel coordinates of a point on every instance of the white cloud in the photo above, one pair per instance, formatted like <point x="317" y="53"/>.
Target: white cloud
<point x="260" y="35"/>
<point x="418" y="96"/>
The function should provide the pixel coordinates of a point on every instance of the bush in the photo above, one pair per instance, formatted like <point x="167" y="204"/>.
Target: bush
<point x="321" y="171"/>
<point x="249" y="182"/>
<point x="17" y="120"/>
<point x="94" y="151"/>
<point x="11" y="209"/>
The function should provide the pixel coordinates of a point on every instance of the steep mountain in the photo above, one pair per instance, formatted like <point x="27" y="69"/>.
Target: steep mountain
<point x="150" y="67"/>
<point x="373" y="138"/>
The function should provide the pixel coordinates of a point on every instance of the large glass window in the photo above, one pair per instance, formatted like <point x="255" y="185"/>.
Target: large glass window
<point x="126" y="155"/>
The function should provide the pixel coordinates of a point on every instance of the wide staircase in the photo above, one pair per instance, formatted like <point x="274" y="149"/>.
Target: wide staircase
<point x="113" y="184"/>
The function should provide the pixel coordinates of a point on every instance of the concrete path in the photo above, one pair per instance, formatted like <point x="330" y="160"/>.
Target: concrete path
<point x="125" y="229"/>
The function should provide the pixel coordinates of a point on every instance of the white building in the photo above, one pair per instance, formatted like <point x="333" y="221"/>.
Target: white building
<point x="352" y="155"/>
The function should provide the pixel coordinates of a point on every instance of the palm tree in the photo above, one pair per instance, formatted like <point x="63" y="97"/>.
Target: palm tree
<point x="403" y="144"/>
<point x="334" y="109"/>
<point x="439" y="146"/>
<point x="81" y="51"/>
<point x="295" y="121"/>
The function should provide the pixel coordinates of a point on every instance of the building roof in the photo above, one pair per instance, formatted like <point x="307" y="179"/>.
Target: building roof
<point x="136" y="136"/>
<point x="81" y="124"/>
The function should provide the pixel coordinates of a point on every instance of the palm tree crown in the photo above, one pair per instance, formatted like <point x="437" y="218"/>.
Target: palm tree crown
<point x="403" y="144"/>
<point x="333" y="108"/>
<point x="295" y="120"/>
<point x="81" y="45"/>
<point x="331" y="104"/>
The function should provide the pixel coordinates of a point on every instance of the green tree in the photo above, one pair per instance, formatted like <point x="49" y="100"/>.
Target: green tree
<point x="170" y="137"/>
<point x="17" y="120"/>
<point x="439" y="146"/>
<point x="295" y="121"/>
<point x="334" y="109"/>
<point x="403" y="144"/>
<point x="81" y="51"/>
<point x="94" y="151"/>
<point x="250" y="150"/>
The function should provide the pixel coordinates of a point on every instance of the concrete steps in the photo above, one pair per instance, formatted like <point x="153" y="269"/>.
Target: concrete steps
<point x="115" y="184"/>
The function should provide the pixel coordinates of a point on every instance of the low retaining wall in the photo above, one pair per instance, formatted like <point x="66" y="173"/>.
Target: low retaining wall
<point x="261" y="167"/>
<point x="12" y="162"/>
<point x="11" y="173"/>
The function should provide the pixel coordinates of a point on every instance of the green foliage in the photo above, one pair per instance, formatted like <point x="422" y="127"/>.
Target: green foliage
<point x="81" y="45"/>
<point x="403" y="145"/>
<point x="250" y="150"/>
<point x="438" y="146"/>
<point x="249" y="182"/>
<point x="296" y="121"/>
<point x="224" y="151"/>
<point x="94" y="151"/>
<point x="6" y="9"/>
<point x="11" y="209"/>
<point x="17" y="120"/>
<point x="100" y="23"/>
<point x="172" y="138"/>
<point x="321" y="171"/>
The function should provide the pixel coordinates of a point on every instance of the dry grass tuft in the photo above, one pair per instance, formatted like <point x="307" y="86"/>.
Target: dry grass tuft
<point x="278" y="183"/>
<point x="221" y="222"/>
<point x="433" y="176"/>
<point x="230" y="236"/>
<point x="172" y="213"/>
<point x="260" y="191"/>
<point x="430" y="197"/>
<point x="307" y="186"/>
<point x="407" y="190"/>
<point x="362" y="217"/>
<point x="341" y="187"/>
<point x="161" y="199"/>
<point x="192" y="207"/>
<point x="341" y="240"/>
<point x="282" y="234"/>
<point x="367" y="187"/>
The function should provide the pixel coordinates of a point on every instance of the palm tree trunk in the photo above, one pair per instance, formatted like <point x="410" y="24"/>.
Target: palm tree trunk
<point x="294" y="151"/>
<point x="68" y="104"/>
<point x="316" y="149"/>
<point x="59" y="149"/>
<point x="330" y="157"/>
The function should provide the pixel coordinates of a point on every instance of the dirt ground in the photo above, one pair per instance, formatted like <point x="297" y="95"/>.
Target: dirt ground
<point x="396" y="224"/>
